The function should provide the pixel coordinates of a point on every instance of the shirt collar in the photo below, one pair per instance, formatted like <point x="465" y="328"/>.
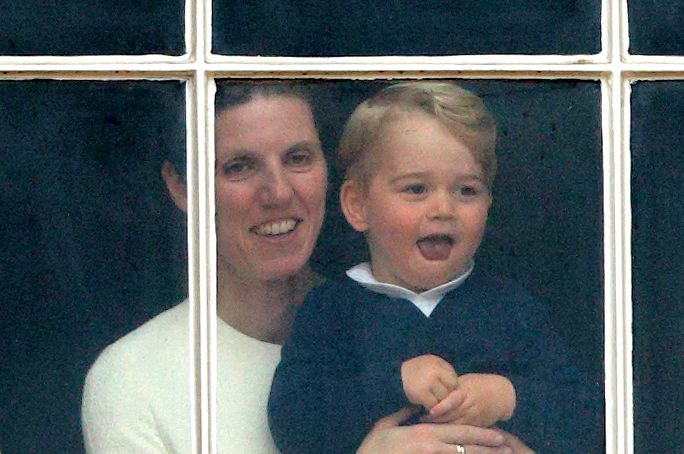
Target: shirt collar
<point x="426" y="301"/>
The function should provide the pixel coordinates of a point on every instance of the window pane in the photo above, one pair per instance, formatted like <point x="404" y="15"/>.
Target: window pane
<point x="81" y="27"/>
<point x="658" y="264"/>
<point x="92" y="245"/>
<point x="655" y="27"/>
<point x="403" y="27"/>
<point x="544" y="228"/>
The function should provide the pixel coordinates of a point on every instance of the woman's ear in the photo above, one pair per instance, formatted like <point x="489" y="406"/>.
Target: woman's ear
<point x="176" y="186"/>
<point x="353" y="205"/>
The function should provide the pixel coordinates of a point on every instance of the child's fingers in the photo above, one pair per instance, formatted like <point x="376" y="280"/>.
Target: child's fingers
<point x="444" y="418"/>
<point x="450" y="402"/>
<point x="438" y="390"/>
<point x="447" y="367"/>
<point x="449" y="380"/>
<point x="428" y="400"/>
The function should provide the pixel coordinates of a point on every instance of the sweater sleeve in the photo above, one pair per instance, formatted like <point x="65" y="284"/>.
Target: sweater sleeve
<point x="558" y="409"/>
<point x="323" y="399"/>
<point x="116" y="416"/>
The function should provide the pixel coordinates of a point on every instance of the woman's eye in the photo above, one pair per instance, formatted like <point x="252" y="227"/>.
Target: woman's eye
<point x="299" y="159"/>
<point x="415" y="189"/>
<point x="236" y="170"/>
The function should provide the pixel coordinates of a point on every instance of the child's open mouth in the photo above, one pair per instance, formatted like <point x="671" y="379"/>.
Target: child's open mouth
<point x="435" y="247"/>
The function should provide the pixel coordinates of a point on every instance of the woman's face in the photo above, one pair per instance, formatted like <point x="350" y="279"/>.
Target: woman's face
<point x="270" y="187"/>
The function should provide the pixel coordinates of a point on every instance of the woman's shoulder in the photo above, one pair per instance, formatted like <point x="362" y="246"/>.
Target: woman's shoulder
<point x="164" y="336"/>
<point x="138" y="381"/>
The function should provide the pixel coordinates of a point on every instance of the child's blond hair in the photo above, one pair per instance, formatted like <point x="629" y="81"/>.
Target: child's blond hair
<point x="462" y="112"/>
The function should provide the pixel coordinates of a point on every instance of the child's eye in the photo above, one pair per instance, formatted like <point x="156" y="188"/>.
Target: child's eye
<point x="238" y="169"/>
<point x="469" y="191"/>
<point x="415" y="189"/>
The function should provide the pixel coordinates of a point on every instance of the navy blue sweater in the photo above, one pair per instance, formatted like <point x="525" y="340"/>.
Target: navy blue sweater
<point x="340" y="367"/>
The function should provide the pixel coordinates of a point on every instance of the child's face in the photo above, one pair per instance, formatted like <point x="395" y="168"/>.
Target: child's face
<point x="424" y="208"/>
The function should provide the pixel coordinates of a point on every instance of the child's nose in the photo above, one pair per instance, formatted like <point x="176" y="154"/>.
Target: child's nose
<point x="443" y="205"/>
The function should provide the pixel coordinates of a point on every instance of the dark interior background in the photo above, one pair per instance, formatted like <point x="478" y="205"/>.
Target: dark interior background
<point x="655" y="27"/>
<point x="658" y="264"/>
<point x="406" y="27"/>
<point x="87" y="27"/>
<point x="91" y="246"/>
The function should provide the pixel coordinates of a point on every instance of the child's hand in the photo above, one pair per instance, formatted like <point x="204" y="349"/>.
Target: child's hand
<point x="427" y="379"/>
<point x="478" y="400"/>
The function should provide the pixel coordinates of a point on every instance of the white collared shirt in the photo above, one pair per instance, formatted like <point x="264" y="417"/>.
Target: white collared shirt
<point x="426" y="301"/>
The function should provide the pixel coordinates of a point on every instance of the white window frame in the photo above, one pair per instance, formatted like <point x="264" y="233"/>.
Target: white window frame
<point x="613" y="67"/>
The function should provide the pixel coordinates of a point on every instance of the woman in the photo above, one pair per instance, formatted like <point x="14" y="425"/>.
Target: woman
<point x="270" y="200"/>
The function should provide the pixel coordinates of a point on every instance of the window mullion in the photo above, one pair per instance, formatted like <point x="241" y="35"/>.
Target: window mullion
<point x="204" y="311"/>
<point x="626" y="261"/>
<point x="618" y="339"/>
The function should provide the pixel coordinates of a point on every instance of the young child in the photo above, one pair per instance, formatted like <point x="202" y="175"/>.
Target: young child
<point x="418" y="324"/>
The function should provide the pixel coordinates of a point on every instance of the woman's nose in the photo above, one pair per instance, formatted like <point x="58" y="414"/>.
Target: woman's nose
<point x="276" y="188"/>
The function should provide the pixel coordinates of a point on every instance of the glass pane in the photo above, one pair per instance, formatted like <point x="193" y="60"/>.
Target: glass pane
<point x="655" y="27"/>
<point x="82" y="27"/>
<point x="658" y="264"/>
<point x="544" y="230"/>
<point x="92" y="245"/>
<point x="404" y="27"/>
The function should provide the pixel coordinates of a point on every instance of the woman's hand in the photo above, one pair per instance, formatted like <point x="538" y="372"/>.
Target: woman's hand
<point x="388" y="436"/>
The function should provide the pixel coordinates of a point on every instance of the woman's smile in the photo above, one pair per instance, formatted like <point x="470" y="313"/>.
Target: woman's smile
<point x="276" y="228"/>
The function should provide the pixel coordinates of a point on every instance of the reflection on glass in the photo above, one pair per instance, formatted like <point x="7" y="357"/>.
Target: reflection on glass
<point x="92" y="246"/>
<point x="658" y="264"/>
<point x="655" y="27"/>
<point x="544" y="228"/>
<point x="80" y="27"/>
<point x="403" y="27"/>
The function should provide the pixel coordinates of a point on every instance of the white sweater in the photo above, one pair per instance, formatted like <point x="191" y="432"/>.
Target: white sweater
<point x="137" y="394"/>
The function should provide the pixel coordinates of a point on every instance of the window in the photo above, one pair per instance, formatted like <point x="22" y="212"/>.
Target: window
<point x="588" y="95"/>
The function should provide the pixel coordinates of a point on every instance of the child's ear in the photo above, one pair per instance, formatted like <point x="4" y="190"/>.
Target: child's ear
<point x="353" y="205"/>
<point x="175" y="183"/>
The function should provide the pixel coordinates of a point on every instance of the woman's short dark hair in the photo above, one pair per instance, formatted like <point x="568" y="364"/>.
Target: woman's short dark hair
<point x="232" y="93"/>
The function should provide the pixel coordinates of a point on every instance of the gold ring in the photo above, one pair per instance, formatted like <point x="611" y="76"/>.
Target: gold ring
<point x="460" y="449"/>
